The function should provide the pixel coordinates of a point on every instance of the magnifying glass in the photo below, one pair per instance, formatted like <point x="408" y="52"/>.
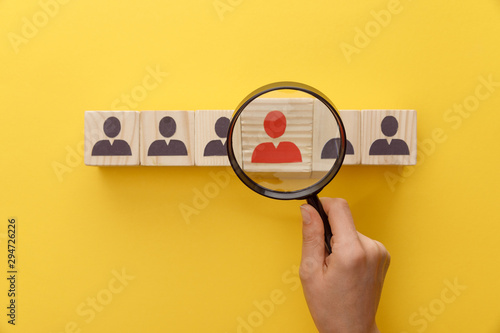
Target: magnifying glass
<point x="286" y="141"/>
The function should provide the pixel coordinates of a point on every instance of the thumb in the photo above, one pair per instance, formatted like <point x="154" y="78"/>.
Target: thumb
<point x="313" y="243"/>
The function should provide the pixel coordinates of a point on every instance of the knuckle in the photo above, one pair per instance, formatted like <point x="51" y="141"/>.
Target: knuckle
<point x="335" y="202"/>
<point x="355" y="258"/>
<point x="304" y="274"/>
<point x="341" y="202"/>
<point x="312" y="234"/>
<point x="381" y="246"/>
<point x="312" y="241"/>
<point x="387" y="260"/>
<point x="379" y="250"/>
<point x="307" y="268"/>
<point x="308" y="237"/>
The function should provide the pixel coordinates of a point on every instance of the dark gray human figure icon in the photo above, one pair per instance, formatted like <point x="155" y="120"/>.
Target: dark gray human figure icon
<point x="332" y="147"/>
<point x="389" y="128"/>
<point x="167" y="128"/>
<point x="216" y="147"/>
<point x="112" y="128"/>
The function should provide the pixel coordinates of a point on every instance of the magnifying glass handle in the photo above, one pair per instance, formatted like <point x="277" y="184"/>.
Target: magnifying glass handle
<point x="314" y="201"/>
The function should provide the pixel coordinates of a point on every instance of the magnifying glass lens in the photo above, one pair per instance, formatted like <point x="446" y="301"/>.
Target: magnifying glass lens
<point x="286" y="140"/>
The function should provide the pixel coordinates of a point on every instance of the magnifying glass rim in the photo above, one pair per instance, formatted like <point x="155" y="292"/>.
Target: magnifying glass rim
<point x="291" y="195"/>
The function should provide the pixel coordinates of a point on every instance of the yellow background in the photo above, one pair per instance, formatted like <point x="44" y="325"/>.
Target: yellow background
<point x="440" y="223"/>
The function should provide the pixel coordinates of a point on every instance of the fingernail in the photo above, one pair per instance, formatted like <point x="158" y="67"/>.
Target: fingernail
<point x="306" y="217"/>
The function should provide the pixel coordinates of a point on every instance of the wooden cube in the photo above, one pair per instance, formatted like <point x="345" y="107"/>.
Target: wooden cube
<point x="326" y="141"/>
<point x="237" y="142"/>
<point x="167" y="138"/>
<point x="352" y="124"/>
<point x="389" y="137"/>
<point x="211" y="128"/>
<point x="111" y="138"/>
<point x="276" y="135"/>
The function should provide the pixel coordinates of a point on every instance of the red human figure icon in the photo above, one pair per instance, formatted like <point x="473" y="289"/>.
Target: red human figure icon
<point x="286" y="152"/>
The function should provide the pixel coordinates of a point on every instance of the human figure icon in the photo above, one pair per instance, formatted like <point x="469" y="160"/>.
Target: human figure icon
<point x="174" y="147"/>
<point x="112" y="128"/>
<point x="285" y="152"/>
<point x="216" y="147"/>
<point x="332" y="147"/>
<point x="389" y="128"/>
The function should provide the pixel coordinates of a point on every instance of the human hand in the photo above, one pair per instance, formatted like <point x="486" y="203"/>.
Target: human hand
<point x="342" y="289"/>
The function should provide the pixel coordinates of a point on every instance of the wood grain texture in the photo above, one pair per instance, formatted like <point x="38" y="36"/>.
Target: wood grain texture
<point x="326" y="137"/>
<point x="352" y="125"/>
<point x="111" y="138"/>
<point x="299" y="124"/>
<point x="167" y="138"/>
<point x="210" y="137"/>
<point x="389" y="137"/>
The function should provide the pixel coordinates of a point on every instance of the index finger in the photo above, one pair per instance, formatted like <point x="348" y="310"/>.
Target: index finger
<point x="340" y="219"/>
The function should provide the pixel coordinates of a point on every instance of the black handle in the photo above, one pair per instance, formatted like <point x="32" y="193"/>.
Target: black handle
<point x="314" y="201"/>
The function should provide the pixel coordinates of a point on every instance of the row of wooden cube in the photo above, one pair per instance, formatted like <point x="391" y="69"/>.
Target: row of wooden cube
<point x="153" y="138"/>
<point x="157" y="138"/>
